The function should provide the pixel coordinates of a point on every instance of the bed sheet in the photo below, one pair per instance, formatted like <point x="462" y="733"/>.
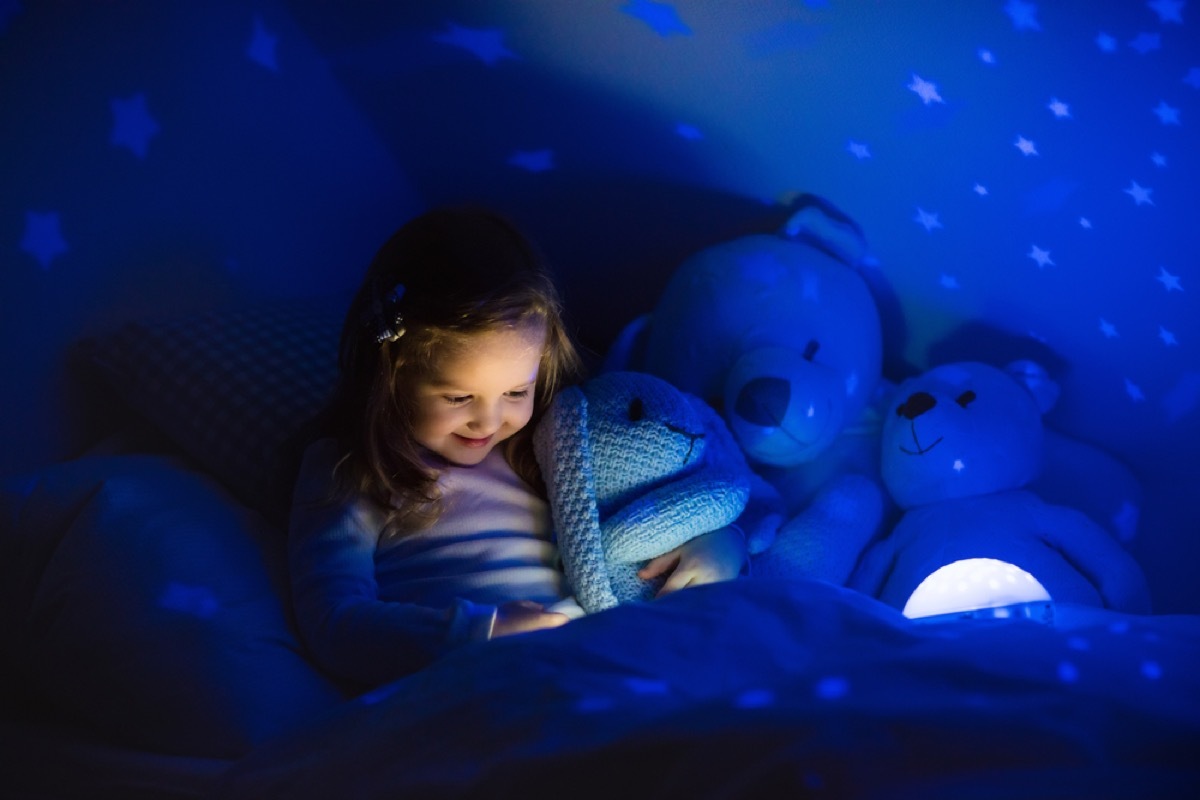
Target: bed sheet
<point x="755" y="687"/>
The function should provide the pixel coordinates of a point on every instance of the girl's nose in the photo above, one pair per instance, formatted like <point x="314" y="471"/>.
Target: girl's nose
<point x="486" y="417"/>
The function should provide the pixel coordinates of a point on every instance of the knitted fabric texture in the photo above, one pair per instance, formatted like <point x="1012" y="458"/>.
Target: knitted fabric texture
<point x="634" y="468"/>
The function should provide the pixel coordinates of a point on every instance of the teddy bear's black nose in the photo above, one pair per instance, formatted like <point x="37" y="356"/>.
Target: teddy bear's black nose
<point x="916" y="405"/>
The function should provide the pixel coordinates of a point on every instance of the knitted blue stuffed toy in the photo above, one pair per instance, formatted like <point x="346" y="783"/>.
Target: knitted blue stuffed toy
<point x="634" y="468"/>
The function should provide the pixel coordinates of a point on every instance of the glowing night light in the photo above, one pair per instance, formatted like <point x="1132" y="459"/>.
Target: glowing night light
<point x="980" y="588"/>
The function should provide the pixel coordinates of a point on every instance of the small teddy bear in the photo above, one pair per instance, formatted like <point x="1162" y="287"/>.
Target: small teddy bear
<point x="960" y="451"/>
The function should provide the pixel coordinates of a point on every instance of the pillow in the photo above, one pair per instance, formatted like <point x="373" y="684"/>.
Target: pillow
<point x="138" y="599"/>
<point x="229" y="388"/>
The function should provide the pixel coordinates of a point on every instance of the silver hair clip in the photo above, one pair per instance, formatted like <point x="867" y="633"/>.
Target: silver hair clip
<point x="388" y="319"/>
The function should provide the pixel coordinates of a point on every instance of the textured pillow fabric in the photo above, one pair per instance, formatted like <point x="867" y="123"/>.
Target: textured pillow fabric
<point x="229" y="387"/>
<point x="140" y="600"/>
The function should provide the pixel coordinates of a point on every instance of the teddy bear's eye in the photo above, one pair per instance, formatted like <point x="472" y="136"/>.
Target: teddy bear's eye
<point x="810" y="349"/>
<point x="637" y="409"/>
<point x="965" y="398"/>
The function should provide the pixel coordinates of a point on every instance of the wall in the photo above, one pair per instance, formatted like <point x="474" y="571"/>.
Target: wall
<point x="1026" y="173"/>
<point x="163" y="158"/>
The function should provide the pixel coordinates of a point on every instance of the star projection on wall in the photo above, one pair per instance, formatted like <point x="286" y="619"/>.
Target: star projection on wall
<point x="133" y="127"/>
<point x="485" y="44"/>
<point x="1023" y="15"/>
<point x="43" y="237"/>
<point x="1170" y="282"/>
<point x="1168" y="10"/>
<point x="925" y="90"/>
<point x="927" y="220"/>
<point x="662" y="18"/>
<point x="533" y="160"/>
<point x="1040" y="257"/>
<point x="261" y="49"/>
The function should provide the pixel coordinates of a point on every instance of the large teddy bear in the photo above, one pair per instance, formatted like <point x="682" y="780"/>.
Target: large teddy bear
<point x="781" y="334"/>
<point x="961" y="450"/>
<point x="634" y="467"/>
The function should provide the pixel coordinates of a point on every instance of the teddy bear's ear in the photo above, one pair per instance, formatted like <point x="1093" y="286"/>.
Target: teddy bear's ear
<point x="564" y="453"/>
<point x="1033" y="376"/>
<point x="820" y="223"/>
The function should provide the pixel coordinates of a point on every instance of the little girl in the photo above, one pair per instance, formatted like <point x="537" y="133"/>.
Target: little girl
<point x="418" y="520"/>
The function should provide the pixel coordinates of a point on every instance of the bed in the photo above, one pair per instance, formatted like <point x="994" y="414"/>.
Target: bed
<point x="150" y="653"/>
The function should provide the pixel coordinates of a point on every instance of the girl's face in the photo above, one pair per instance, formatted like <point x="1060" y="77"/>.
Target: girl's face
<point x="479" y="393"/>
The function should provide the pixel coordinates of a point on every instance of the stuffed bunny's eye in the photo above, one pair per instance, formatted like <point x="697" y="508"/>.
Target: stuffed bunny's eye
<point x="965" y="398"/>
<point x="637" y="409"/>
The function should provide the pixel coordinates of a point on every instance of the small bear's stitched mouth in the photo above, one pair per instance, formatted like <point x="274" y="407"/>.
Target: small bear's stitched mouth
<point x="920" y="451"/>
<point x="691" y="437"/>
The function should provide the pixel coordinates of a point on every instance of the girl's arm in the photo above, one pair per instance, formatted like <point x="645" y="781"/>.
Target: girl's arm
<point x="348" y="630"/>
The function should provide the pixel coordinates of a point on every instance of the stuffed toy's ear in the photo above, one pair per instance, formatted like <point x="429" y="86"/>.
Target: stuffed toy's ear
<point x="1033" y="376"/>
<point x="564" y="453"/>
<point x="821" y="224"/>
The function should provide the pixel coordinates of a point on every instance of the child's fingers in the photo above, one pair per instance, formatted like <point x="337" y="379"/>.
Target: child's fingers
<point x="659" y="565"/>
<point x="680" y="579"/>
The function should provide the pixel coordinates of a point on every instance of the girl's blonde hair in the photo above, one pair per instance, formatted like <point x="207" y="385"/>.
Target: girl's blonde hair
<point x="441" y="278"/>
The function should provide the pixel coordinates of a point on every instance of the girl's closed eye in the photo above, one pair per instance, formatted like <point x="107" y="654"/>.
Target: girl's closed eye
<point x="518" y="394"/>
<point x="457" y="399"/>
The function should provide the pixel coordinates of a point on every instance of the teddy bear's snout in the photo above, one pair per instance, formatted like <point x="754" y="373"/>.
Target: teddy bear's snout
<point x="916" y="405"/>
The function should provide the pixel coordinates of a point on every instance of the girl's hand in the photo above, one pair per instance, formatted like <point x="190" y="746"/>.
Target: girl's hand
<point x="521" y="616"/>
<point x="710" y="557"/>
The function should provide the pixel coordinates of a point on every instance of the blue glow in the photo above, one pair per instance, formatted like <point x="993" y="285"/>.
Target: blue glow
<point x="261" y="49"/>
<point x="833" y="687"/>
<point x="133" y="126"/>
<point x="199" y="601"/>
<point x="662" y="18"/>
<point x="43" y="237"/>
<point x="485" y="44"/>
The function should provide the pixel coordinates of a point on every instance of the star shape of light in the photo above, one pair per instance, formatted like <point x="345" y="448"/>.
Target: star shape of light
<point x="1085" y="223"/>
<point x="1059" y="108"/>
<point x="1040" y="257"/>
<point x="1140" y="194"/>
<point x="987" y="56"/>
<point x="689" y="132"/>
<point x="927" y="219"/>
<point x="980" y="189"/>
<point x="948" y="281"/>
<point x="261" y="49"/>
<point x="1167" y="337"/>
<point x="43" y="237"/>
<point x="1023" y="15"/>
<point x="486" y="44"/>
<point x="1025" y="146"/>
<point x="1106" y="42"/>
<point x="533" y="160"/>
<point x="958" y="465"/>
<point x="1193" y="77"/>
<point x="1145" y="42"/>
<point x="1159" y="159"/>
<point x="1134" y="391"/>
<point x="1169" y="281"/>
<point x="926" y="90"/>
<point x="1168" y="115"/>
<point x="858" y="150"/>
<point x="1168" y="10"/>
<point x="662" y="18"/>
<point x="1108" y="329"/>
<point x="133" y="127"/>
